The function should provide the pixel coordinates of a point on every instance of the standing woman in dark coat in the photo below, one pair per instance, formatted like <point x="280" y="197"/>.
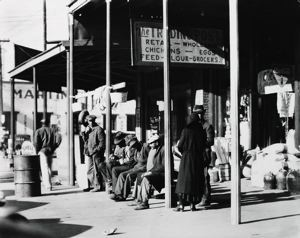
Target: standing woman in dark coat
<point x="190" y="182"/>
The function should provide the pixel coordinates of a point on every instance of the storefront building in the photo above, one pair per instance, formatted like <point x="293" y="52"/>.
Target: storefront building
<point x="199" y="67"/>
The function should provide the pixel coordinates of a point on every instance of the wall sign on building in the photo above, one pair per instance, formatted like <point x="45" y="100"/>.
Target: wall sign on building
<point x="187" y="46"/>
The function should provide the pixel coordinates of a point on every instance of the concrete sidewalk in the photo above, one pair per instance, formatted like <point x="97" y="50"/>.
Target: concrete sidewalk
<point x="69" y="212"/>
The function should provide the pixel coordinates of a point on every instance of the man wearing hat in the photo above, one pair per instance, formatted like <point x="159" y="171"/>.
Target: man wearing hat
<point x="155" y="175"/>
<point x="210" y="135"/>
<point x="125" y="163"/>
<point x="119" y="153"/>
<point x="126" y="178"/>
<point x="94" y="137"/>
<point x="46" y="140"/>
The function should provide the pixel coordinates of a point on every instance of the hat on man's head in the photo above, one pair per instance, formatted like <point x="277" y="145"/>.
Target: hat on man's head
<point x="199" y="109"/>
<point x="119" y="137"/>
<point x="133" y="142"/>
<point x="91" y="117"/>
<point x="153" y="138"/>
<point x="193" y="118"/>
<point x="129" y="138"/>
<point x="82" y="116"/>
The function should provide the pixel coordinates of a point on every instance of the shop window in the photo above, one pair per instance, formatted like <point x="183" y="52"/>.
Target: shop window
<point x="130" y="122"/>
<point x="113" y="122"/>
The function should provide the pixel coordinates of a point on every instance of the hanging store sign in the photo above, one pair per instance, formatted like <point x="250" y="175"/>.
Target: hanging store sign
<point x="275" y="80"/>
<point x="187" y="46"/>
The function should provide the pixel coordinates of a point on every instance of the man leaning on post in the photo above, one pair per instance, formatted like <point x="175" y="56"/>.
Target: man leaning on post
<point x="94" y="137"/>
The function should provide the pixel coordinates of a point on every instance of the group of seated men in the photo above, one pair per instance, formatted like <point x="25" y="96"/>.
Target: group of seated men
<point x="136" y="164"/>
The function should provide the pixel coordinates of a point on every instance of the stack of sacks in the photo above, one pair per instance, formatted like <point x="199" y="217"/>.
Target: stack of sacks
<point x="271" y="159"/>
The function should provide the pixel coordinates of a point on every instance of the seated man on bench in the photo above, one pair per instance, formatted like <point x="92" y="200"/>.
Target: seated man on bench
<point x="155" y="175"/>
<point x="126" y="178"/>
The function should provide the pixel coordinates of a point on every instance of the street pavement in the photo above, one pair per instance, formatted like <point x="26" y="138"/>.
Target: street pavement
<point x="69" y="212"/>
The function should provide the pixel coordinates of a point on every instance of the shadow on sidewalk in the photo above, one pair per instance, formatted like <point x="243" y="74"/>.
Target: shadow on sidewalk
<point x="20" y="205"/>
<point x="221" y="197"/>
<point x="60" y="230"/>
<point x="24" y="205"/>
<point x="271" y="218"/>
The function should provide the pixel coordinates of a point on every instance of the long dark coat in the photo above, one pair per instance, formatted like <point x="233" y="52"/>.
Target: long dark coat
<point x="190" y="179"/>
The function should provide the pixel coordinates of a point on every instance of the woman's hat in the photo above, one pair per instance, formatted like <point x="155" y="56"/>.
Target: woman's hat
<point x="119" y="137"/>
<point x="153" y="138"/>
<point x="198" y="109"/>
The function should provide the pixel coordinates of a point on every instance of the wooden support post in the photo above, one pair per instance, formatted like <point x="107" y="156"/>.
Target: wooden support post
<point x="297" y="89"/>
<point x="108" y="83"/>
<point x="234" y="114"/>
<point x="167" y="106"/>
<point x="45" y="48"/>
<point x="71" y="91"/>
<point x="35" y="96"/>
<point x="68" y="114"/>
<point x="12" y="112"/>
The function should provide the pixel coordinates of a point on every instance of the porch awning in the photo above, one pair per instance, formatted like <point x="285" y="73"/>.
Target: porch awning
<point x="89" y="67"/>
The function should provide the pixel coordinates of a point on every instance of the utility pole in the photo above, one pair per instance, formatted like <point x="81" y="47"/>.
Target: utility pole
<point x="1" y="82"/>
<point x="45" y="48"/>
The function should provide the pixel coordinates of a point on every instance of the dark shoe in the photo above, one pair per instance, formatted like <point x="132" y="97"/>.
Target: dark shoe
<point x="117" y="198"/>
<point x="179" y="208"/>
<point x="193" y="208"/>
<point x="120" y="199"/>
<point x="142" y="206"/>
<point x="95" y="190"/>
<point x="86" y="189"/>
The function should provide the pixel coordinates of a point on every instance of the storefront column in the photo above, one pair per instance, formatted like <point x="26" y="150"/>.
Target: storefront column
<point x="108" y="83"/>
<point x="297" y="90"/>
<point x="68" y="113"/>
<point x="234" y="114"/>
<point x="70" y="91"/>
<point x="140" y="122"/>
<point x="45" y="48"/>
<point x="12" y="112"/>
<point x="35" y="101"/>
<point x="167" y="106"/>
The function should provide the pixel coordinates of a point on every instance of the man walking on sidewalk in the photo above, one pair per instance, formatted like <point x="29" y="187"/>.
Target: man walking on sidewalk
<point x="46" y="139"/>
